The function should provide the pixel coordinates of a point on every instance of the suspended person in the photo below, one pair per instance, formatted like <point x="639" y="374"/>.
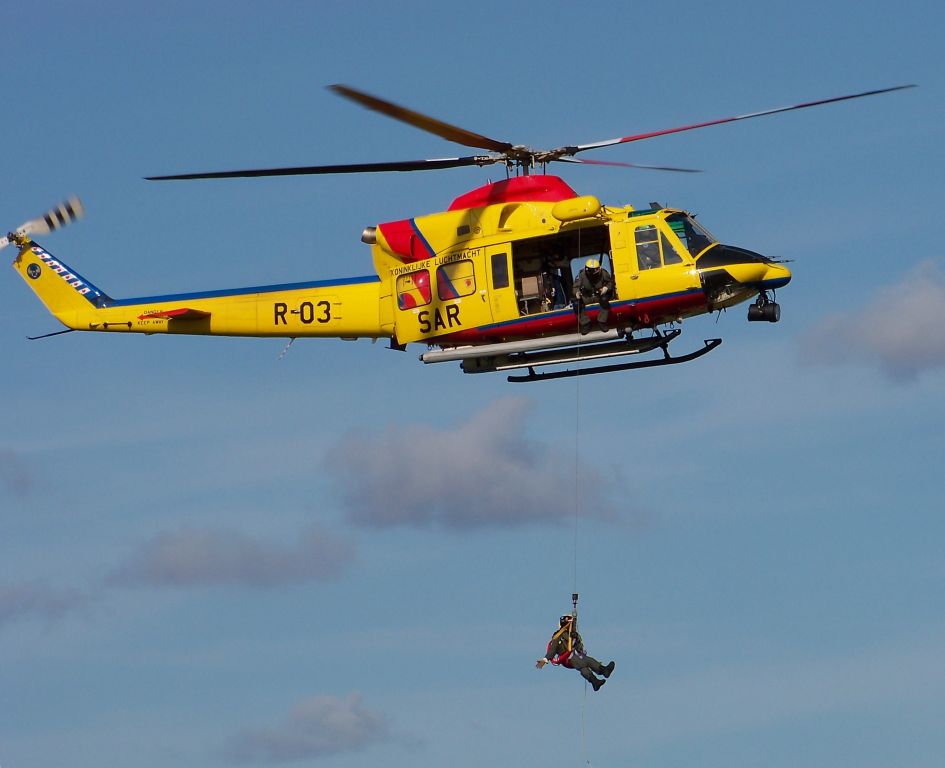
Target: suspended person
<point x="594" y="284"/>
<point x="566" y="649"/>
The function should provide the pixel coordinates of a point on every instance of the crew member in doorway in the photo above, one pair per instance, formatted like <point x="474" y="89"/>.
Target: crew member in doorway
<point x="566" y="649"/>
<point x="594" y="284"/>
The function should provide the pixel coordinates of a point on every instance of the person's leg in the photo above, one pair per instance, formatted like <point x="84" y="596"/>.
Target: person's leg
<point x="596" y="667"/>
<point x="585" y="665"/>
<point x="584" y="322"/>
<point x="604" y="313"/>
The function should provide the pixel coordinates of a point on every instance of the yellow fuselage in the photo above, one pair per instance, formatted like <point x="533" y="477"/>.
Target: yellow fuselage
<point x="496" y="266"/>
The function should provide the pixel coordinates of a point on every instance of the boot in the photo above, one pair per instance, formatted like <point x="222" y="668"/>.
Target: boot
<point x="607" y="669"/>
<point x="597" y="683"/>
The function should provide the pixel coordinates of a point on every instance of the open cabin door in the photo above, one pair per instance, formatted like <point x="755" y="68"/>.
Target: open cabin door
<point x="439" y="296"/>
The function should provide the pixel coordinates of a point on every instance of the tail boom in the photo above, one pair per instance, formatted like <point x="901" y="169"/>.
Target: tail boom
<point x="329" y="308"/>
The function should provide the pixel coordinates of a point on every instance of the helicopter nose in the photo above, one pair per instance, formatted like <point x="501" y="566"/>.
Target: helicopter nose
<point x="746" y="267"/>
<point x="776" y="276"/>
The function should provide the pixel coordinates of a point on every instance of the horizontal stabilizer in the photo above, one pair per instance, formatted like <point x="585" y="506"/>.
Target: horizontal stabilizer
<point x="184" y="313"/>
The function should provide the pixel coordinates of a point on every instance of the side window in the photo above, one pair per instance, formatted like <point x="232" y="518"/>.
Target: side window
<point x="648" y="246"/>
<point x="669" y="253"/>
<point x="455" y="280"/>
<point x="413" y="289"/>
<point x="650" y="241"/>
<point x="500" y="270"/>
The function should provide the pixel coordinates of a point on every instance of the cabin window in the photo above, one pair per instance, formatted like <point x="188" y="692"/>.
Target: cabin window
<point x="455" y="280"/>
<point x="693" y="235"/>
<point x="648" y="247"/>
<point x="670" y="256"/>
<point x="653" y="248"/>
<point x="500" y="270"/>
<point x="413" y="289"/>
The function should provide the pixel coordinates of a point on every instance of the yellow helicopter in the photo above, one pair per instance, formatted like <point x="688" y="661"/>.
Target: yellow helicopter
<point x="490" y="282"/>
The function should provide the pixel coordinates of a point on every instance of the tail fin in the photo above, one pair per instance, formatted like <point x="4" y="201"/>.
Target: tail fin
<point x="68" y="295"/>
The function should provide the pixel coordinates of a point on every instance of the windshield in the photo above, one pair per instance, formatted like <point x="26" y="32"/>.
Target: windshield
<point x="694" y="236"/>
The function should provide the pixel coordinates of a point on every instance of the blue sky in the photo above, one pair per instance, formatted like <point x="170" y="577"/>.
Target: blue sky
<point x="213" y="556"/>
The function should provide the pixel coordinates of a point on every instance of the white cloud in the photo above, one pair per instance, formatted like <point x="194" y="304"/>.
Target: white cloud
<point x="192" y="557"/>
<point x="480" y="473"/>
<point x="35" y="598"/>
<point x="316" y="727"/>
<point x="902" y="330"/>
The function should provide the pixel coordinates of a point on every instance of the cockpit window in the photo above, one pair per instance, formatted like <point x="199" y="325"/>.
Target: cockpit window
<point x="694" y="236"/>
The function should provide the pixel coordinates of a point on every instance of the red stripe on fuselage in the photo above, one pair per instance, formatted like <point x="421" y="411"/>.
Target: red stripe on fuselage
<point x="405" y="240"/>
<point x="631" y="314"/>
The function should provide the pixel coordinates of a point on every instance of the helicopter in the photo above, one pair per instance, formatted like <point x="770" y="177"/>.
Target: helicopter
<point x="488" y="282"/>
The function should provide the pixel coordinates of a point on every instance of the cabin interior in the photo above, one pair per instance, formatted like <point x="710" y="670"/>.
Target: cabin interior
<point x="544" y="268"/>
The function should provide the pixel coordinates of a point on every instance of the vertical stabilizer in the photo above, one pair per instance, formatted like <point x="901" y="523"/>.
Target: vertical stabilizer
<point x="68" y="295"/>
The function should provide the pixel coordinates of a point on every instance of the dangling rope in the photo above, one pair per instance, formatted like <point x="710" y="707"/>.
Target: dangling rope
<point x="587" y="760"/>
<point x="584" y="757"/>
<point x="577" y="472"/>
<point x="578" y="496"/>
<point x="577" y="449"/>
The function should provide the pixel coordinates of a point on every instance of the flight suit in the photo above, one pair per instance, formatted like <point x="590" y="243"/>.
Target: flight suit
<point x="598" y="287"/>
<point x="569" y="652"/>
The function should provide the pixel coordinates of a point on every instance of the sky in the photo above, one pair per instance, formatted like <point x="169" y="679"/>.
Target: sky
<point x="214" y="554"/>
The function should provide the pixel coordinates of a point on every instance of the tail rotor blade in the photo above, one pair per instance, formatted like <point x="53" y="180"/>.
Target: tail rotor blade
<point x="55" y="218"/>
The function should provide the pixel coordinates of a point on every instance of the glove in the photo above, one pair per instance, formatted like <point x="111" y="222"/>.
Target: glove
<point x="540" y="663"/>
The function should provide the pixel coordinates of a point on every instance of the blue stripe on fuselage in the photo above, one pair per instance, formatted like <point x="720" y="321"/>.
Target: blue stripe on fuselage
<point x="94" y="295"/>
<point x="419" y="234"/>
<point x="777" y="283"/>
<point x="242" y="291"/>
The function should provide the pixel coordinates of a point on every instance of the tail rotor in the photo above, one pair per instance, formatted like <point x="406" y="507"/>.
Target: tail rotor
<point x="55" y="218"/>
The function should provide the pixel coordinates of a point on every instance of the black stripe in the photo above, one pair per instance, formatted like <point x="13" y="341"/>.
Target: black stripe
<point x="725" y="255"/>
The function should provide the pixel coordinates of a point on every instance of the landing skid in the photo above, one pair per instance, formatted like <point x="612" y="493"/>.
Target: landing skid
<point x="667" y="359"/>
<point x="561" y="350"/>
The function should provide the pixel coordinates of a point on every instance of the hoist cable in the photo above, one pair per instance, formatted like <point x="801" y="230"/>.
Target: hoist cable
<point x="577" y="474"/>
<point x="577" y="446"/>
<point x="584" y="756"/>
<point x="577" y="511"/>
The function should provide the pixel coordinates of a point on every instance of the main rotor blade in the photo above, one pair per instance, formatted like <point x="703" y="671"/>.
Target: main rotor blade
<point x="627" y="165"/>
<point x="417" y="120"/>
<point x="651" y="134"/>
<point x="408" y="165"/>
